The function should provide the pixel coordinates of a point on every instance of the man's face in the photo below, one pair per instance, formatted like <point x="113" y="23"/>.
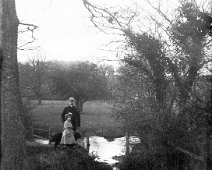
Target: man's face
<point x="71" y="103"/>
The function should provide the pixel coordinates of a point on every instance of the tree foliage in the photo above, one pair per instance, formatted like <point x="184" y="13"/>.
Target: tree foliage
<point x="83" y="80"/>
<point x="161" y="103"/>
<point x="150" y="59"/>
<point x="34" y="80"/>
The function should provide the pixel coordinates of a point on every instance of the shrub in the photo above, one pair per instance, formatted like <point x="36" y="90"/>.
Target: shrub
<point x="158" y="158"/>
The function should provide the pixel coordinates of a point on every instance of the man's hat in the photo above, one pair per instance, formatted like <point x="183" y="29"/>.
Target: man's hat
<point x="71" y="99"/>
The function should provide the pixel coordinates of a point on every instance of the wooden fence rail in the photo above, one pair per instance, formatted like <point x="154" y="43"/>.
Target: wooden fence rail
<point x="44" y="130"/>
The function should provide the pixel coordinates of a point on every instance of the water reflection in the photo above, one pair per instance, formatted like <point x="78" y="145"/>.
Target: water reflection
<point x="42" y="141"/>
<point x="103" y="148"/>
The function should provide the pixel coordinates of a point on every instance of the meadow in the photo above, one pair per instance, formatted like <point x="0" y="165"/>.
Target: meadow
<point x="97" y="118"/>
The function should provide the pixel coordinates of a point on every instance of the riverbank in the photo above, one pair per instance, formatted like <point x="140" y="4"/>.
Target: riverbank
<point x="44" y="157"/>
<point x="109" y="151"/>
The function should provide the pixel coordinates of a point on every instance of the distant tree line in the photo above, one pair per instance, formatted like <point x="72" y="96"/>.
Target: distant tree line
<point x="40" y="79"/>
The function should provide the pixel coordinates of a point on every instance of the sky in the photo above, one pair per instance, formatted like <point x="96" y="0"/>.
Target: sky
<point x="65" y="31"/>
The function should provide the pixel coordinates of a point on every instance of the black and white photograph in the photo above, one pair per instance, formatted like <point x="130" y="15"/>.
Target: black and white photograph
<point x="106" y="84"/>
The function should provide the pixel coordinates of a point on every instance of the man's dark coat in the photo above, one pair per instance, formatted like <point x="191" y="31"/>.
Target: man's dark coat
<point x="75" y="119"/>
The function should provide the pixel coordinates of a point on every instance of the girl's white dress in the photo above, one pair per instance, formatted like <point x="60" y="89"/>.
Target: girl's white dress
<point x="68" y="134"/>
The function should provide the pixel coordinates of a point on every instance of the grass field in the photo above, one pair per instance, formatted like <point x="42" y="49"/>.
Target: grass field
<point x="96" y="119"/>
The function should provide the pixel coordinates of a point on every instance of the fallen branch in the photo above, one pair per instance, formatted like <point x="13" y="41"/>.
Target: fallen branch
<point x="41" y="129"/>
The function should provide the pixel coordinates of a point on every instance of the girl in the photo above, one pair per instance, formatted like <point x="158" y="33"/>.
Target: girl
<point x="68" y="133"/>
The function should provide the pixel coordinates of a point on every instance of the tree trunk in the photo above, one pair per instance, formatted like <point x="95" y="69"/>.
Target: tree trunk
<point x="127" y="146"/>
<point x="87" y="144"/>
<point x="1" y="57"/>
<point x="79" y="104"/>
<point x="13" y="141"/>
<point x="39" y="101"/>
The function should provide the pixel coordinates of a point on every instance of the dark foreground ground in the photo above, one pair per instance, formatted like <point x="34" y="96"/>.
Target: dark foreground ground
<point x="44" y="157"/>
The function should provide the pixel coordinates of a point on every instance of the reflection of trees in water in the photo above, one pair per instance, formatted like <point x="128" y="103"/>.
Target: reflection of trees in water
<point x="127" y="144"/>
<point x="87" y="143"/>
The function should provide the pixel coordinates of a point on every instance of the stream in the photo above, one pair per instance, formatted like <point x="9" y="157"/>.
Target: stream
<point x="104" y="149"/>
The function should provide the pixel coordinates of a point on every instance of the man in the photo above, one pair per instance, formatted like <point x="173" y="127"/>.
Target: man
<point x="75" y="120"/>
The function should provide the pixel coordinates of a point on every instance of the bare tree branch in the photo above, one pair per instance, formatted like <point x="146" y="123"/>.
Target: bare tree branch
<point x="113" y="19"/>
<point x="160" y="12"/>
<point x="31" y="28"/>
<point x="26" y="24"/>
<point x="29" y="49"/>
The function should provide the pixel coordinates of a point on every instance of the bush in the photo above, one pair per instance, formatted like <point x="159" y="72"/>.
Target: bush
<point x="142" y="161"/>
<point x="161" y="139"/>
<point x="155" y="159"/>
